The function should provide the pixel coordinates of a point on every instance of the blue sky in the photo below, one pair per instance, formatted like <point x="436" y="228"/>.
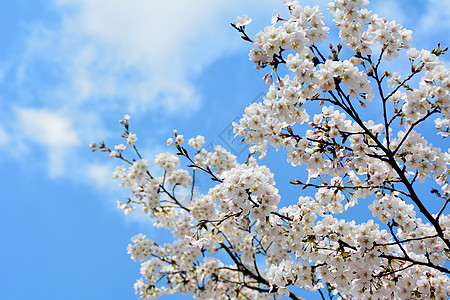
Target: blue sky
<point x="69" y="70"/>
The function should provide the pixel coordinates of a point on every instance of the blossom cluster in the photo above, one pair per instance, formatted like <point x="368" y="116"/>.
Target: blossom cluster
<point x="242" y="239"/>
<point x="360" y="29"/>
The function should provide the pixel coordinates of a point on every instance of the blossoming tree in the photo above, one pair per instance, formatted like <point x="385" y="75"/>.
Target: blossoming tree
<point x="242" y="240"/>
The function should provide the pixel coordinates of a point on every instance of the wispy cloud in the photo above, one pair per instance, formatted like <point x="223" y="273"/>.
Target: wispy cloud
<point x="100" y="174"/>
<point x="96" y="59"/>
<point x="4" y="138"/>
<point x="50" y="130"/>
<point x="143" y="53"/>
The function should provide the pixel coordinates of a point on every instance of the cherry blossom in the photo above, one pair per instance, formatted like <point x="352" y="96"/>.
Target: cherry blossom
<point x="242" y="239"/>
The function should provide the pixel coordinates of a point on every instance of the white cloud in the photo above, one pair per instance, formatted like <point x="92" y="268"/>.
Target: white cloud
<point x="124" y="56"/>
<point x="51" y="130"/>
<point x="5" y="138"/>
<point x="145" y="53"/>
<point x="47" y="128"/>
<point x="101" y="175"/>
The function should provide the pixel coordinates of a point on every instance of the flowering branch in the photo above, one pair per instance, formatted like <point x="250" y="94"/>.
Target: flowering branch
<point x="274" y="245"/>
